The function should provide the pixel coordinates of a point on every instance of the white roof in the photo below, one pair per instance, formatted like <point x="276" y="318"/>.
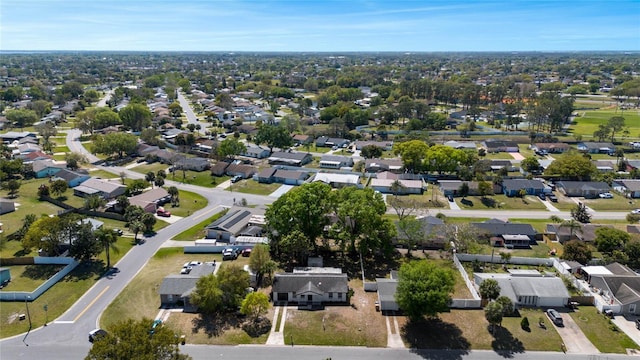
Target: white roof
<point x="337" y="178"/>
<point x="596" y="270"/>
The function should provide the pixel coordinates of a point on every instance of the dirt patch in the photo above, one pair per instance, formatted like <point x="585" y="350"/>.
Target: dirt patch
<point x="13" y="317"/>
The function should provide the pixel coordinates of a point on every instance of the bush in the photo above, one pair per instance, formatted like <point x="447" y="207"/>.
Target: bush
<point x="524" y="324"/>
<point x="256" y="328"/>
<point x="633" y="218"/>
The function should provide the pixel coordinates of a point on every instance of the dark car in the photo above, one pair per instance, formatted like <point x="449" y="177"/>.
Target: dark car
<point x="450" y="198"/>
<point x="542" y="196"/>
<point x="638" y="324"/>
<point x="555" y="317"/>
<point x="96" y="334"/>
<point x="552" y="198"/>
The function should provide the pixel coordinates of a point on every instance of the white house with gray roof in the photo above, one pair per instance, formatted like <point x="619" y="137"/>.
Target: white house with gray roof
<point x="530" y="289"/>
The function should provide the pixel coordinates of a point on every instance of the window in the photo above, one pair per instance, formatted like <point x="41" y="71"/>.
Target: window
<point x="330" y="295"/>
<point x="339" y="295"/>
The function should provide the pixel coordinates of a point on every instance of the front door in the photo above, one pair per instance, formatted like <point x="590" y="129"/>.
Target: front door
<point x="632" y="308"/>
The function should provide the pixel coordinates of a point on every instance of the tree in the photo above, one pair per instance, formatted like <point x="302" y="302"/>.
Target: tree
<point x="175" y="109"/>
<point x="507" y="305"/>
<point x="12" y="186"/>
<point x="412" y="153"/>
<point x="576" y="250"/>
<point x="107" y="238"/>
<point x="22" y="117"/>
<point x="175" y="195"/>
<point x="150" y="177"/>
<point x="489" y="289"/>
<point x="530" y="164"/>
<point x="254" y="305"/>
<point x="463" y="190"/>
<point x="74" y="160"/>
<point x="135" y="227"/>
<point x="572" y="166"/>
<point x="632" y="249"/>
<point x="233" y="282"/>
<point x="207" y="295"/>
<point x="136" y="186"/>
<point x="424" y="288"/>
<point x="609" y="239"/>
<point x="229" y="148"/>
<point x="304" y="208"/>
<point x="148" y="221"/>
<point x="159" y="181"/>
<point x="136" y="116"/>
<point x="224" y="100"/>
<point x="485" y="188"/>
<point x="273" y="136"/>
<point x="615" y="124"/>
<point x="58" y="187"/>
<point x="493" y="312"/>
<point x="505" y="256"/>
<point x="93" y="202"/>
<point x="580" y="213"/>
<point x="410" y="232"/>
<point x="83" y="244"/>
<point x="260" y="262"/>
<point x="371" y="151"/>
<point x="115" y="143"/>
<point x="47" y="233"/>
<point x="130" y="339"/>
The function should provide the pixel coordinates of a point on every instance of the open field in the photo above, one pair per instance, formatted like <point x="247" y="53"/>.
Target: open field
<point x="468" y="329"/>
<point x="588" y="122"/>
<point x="355" y="325"/>
<point x="598" y="329"/>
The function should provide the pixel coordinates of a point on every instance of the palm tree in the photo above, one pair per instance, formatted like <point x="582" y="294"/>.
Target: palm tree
<point x="173" y="191"/>
<point x="150" y="177"/>
<point x="107" y="238"/>
<point x="572" y="224"/>
<point x="136" y="226"/>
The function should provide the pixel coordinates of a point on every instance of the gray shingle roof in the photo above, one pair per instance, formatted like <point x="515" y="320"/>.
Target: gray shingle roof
<point x="294" y="282"/>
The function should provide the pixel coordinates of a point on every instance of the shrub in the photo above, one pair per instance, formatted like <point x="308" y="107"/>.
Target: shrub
<point x="524" y="323"/>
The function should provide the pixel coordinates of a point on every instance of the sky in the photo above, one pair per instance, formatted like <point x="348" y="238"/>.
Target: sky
<point x="320" y="25"/>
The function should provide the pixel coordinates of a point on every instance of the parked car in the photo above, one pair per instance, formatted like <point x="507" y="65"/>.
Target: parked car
<point x="542" y="196"/>
<point x="552" y="198"/>
<point x="450" y="198"/>
<point x="606" y="196"/>
<point x="162" y="212"/>
<point x="236" y="178"/>
<point x="156" y="323"/>
<point x="118" y="231"/>
<point x="96" y="334"/>
<point x="555" y="317"/>
<point x="246" y="252"/>
<point x="229" y="254"/>
<point x="638" y="324"/>
<point x="635" y="211"/>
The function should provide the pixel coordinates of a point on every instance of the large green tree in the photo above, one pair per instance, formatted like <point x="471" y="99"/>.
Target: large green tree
<point x="609" y="239"/>
<point x="273" y="136"/>
<point x="489" y="289"/>
<point x="577" y="250"/>
<point x="107" y="238"/>
<point x="136" y="116"/>
<point x="22" y="117"/>
<point x="260" y="262"/>
<point x="130" y="339"/>
<point x="229" y="148"/>
<point x="424" y="288"/>
<point x="494" y="313"/>
<point x="412" y="153"/>
<point x="115" y="143"/>
<point x="572" y="166"/>
<point x="255" y="304"/>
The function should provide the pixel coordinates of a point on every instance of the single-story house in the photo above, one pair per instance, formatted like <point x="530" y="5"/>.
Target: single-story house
<point x="220" y="168"/>
<point x="168" y="157"/>
<point x="337" y="180"/>
<point x="30" y="157"/>
<point x="530" y="290"/>
<point x="582" y="232"/>
<point x="242" y="170"/>
<point x="551" y="148"/>
<point x="256" y="152"/>
<point x="605" y="165"/>
<point x="619" y="288"/>
<point x="497" y="164"/>
<point x="145" y="149"/>
<point x="335" y="161"/>
<point x="72" y="178"/>
<point x="46" y="168"/>
<point x="452" y="187"/>
<point x="385" y="186"/>
<point x="301" y="139"/>
<point x="494" y="146"/>
<point x="176" y="289"/>
<point x="150" y="200"/>
<point x="433" y="231"/>
<point x="311" y="286"/>
<point x="511" y="187"/>
<point x="587" y="189"/>
<point x="596" y="147"/>
<point x="103" y="188"/>
<point x="325" y="141"/>
<point x="629" y="187"/>
<point x="11" y="136"/>
<point x="508" y="234"/>
<point x="234" y="222"/>
<point x="387" y="292"/>
<point x="386" y="145"/>
<point x="377" y="165"/>
<point x="7" y="206"/>
<point x="287" y="177"/>
<point x="195" y="164"/>
<point x="290" y="158"/>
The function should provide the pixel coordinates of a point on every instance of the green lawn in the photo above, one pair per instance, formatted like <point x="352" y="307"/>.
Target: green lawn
<point x="250" y="186"/>
<point x="62" y="148"/>
<point x="144" y="168"/>
<point x="588" y="122"/>
<point x="525" y="151"/>
<point x="498" y="156"/>
<point x="29" y="277"/>
<point x="102" y="174"/>
<point x="197" y="231"/>
<point x="189" y="203"/>
<point x="501" y="202"/>
<point x="599" y="330"/>
<point x="618" y="203"/>
<point x="202" y="178"/>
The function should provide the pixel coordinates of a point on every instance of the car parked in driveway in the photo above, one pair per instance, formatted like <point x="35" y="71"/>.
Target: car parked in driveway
<point x="555" y="317"/>
<point x="542" y="196"/>
<point x="96" y="334"/>
<point x="606" y="196"/>
<point x="162" y="212"/>
<point x="552" y="198"/>
<point x="229" y="254"/>
<point x="635" y="211"/>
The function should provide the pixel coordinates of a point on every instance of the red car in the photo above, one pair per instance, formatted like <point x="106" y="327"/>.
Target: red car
<point x="162" y="212"/>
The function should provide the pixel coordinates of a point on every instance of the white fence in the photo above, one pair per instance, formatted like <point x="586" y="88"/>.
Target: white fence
<point x="41" y="260"/>
<point x="496" y="259"/>
<point x="467" y="281"/>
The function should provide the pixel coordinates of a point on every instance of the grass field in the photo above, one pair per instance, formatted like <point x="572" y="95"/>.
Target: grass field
<point x="598" y="329"/>
<point x="501" y="202"/>
<point x="588" y="122"/>
<point x="468" y="329"/>
<point x="250" y="186"/>
<point x="29" y="277"/>
<point x="190" y="202"/>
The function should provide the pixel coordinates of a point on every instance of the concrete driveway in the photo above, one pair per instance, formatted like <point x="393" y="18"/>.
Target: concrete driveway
<point x="627" y="325"/>
<point x="574" y="339"/>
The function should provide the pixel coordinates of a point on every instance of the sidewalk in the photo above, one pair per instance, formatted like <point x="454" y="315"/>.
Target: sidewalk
<point x="393" y="335"/>
<point x="276" y="336"/>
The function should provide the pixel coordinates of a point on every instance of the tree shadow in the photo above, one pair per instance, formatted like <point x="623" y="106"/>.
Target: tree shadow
<point x="435" y="334"/>
<point x="504" y="343"/>
<point x="214" y="325"/>
<point x="41" y="272"/>
<point x="21" y="253"/>
<point x="86" y="270"/>
<point x="488" y="202"/>
<point x="466" y="202"/>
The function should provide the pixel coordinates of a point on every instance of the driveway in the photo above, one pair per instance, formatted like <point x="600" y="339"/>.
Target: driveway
<point x="281" y="191"/>
<point x="627" y="325"/>
<point x="549" y="206"/>
<point x="573" y="338"/>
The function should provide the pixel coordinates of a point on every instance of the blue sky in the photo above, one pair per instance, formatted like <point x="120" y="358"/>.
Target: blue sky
<point x="324" y="25"/>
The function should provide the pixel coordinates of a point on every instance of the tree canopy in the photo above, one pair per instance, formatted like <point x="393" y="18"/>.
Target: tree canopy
<point x="115" y="143"/>
<point x="136" y="116"/>
<point x="424" y="288"/>
<point x="577" y="250"/>
<point x="489" y="289"/>
<point x="273" y="136"/>
<point x="572" y="166"/>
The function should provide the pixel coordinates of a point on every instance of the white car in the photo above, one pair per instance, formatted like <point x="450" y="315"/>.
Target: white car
<point x="606" y="196"/>
<point x="635" y="211"/>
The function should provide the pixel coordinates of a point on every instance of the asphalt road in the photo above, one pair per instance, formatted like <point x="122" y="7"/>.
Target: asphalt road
<point x="191" y="116"/>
